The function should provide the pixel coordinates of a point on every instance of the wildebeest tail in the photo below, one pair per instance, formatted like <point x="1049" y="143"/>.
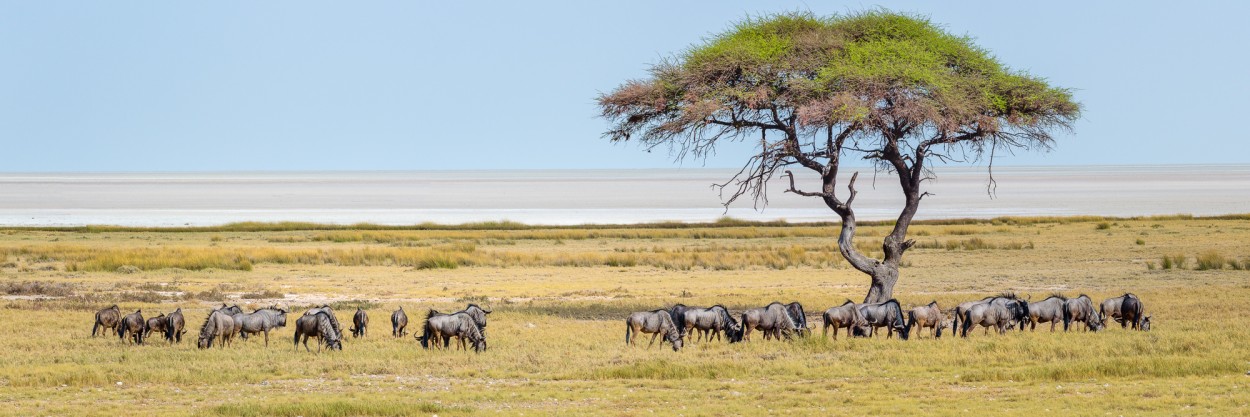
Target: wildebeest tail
<point x="1067" y="316"/>
<point x="966" y="316"/>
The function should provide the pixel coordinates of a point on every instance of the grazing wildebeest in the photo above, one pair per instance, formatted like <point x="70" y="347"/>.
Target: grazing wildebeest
<point x="847" y="315"/>
<point x="927" y="316"/>
<point x="963" y="308"/>
<point x="1049" y="310"/>
<point x="442" y="327"/>
<point x="260" y="321"/>
<point x="320" y="325"/>
<point x="175" y="326"/>
<point x="232" y="311"/>
<point x="334" y="319"/>
<point x="479" y="318"/>
<point x="155" y="324"/>
<point x="399" y="323"/>
<point x="799" y="317"/>
<point x="1126" y="309"/>
<point x="1000" y="313"/>
<point x="1145" y="324"/>
<point x="773" y="320"/>
<point x="360" y="322"/>
<point x="888" y="314"/>
<point x="1081" y="309"/>
<point x="132" y="325"/>
<point x="217" y="326"/>
<point x="107" y="319"/>
<point x="658" y="322"/>
<point x="710" y="322"/>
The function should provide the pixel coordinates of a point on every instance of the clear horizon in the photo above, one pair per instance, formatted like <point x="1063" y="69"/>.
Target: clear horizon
<point x="320" y="86"/>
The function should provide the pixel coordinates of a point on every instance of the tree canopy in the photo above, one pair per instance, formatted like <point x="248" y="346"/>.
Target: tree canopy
<point x="892" y="88"/>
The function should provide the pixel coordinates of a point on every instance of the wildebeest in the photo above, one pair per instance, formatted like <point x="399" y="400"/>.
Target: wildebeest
<point x="678" y="314"/>
<point x="175" y="326"/>
<point x="799" y="317"/>
<point x="999" y="312"/>
<point x="711" y="321"/>
<point x="132" y="325"/>
<point x="399" y="323"/>
<point x="260" y="321"/>
<point x="927" y="316"/>
<point x="478" y="314"/>
<point x="360" y="322"/>
<point x="657" y="322"/>
<point x="319" y="324"/>
<point x="334" y="318"/>
<point x="1002" y="297"/>
<point x="1145" y="324"/>
<point x="1081" y="309"/>
<point x="774" y="320"/>
<point x="888" y="314"/>
<point x="1049" y="310"/>
<point x="155" y="324"/>
<point x="217" y="326"/>
<point x="107" y="319"/>
<point x="1126" y="309"/>
<point x="847" y="315"/>
<point x="442" y="327"/>
<point x="232" y="311"/>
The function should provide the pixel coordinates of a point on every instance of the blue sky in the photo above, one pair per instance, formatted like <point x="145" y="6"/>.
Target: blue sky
<point x="309" y="85"/>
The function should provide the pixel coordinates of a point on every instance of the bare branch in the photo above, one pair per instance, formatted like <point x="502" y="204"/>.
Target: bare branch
<point x="800" y="192"/>
<point x="851" y="187"/>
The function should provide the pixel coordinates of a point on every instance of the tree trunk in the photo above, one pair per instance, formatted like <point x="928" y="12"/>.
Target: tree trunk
<point x="883" y="278"/>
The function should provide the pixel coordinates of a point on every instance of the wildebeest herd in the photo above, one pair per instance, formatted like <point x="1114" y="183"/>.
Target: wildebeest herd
<point x="224" y="323"/>
<point x="1001" y="312"/>
<point x="774" y="321"/>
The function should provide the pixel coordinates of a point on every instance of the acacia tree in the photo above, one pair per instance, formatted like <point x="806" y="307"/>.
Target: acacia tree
<point x="808" y="91"/>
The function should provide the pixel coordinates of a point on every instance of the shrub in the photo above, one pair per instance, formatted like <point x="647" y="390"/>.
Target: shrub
<point x="53" y="289"/>
<point x="1103" y="226"/>
<point x="262" y="294"/>
<point x="1211" y="260"/>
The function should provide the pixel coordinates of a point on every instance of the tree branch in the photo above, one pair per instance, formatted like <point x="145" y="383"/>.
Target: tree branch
<point x="800" y="192"/>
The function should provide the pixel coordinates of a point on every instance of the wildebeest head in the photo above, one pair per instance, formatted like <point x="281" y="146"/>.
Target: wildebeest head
<point x="1145" y="324"/>
<point x="479" y="345"/>
<point x="204" y="343"/>
<point x="1022" y="316"/>
<point x="674" y="338"/>
<point x="1096" y="322"/>
<point x="902" y="329"/>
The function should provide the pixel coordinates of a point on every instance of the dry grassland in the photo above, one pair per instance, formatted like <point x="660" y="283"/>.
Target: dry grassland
<point x="560" y="295"/>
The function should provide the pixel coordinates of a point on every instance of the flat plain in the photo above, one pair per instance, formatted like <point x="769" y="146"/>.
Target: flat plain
<point x="559" y="296"/>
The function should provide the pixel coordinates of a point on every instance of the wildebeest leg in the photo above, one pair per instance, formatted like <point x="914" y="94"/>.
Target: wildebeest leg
<point x="653" y="335"/>
<point x="1052" y="326"/>
<point x="266" y="337"/>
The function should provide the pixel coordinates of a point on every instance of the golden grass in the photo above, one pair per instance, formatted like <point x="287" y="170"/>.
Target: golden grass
<point x="556" y="337"/>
